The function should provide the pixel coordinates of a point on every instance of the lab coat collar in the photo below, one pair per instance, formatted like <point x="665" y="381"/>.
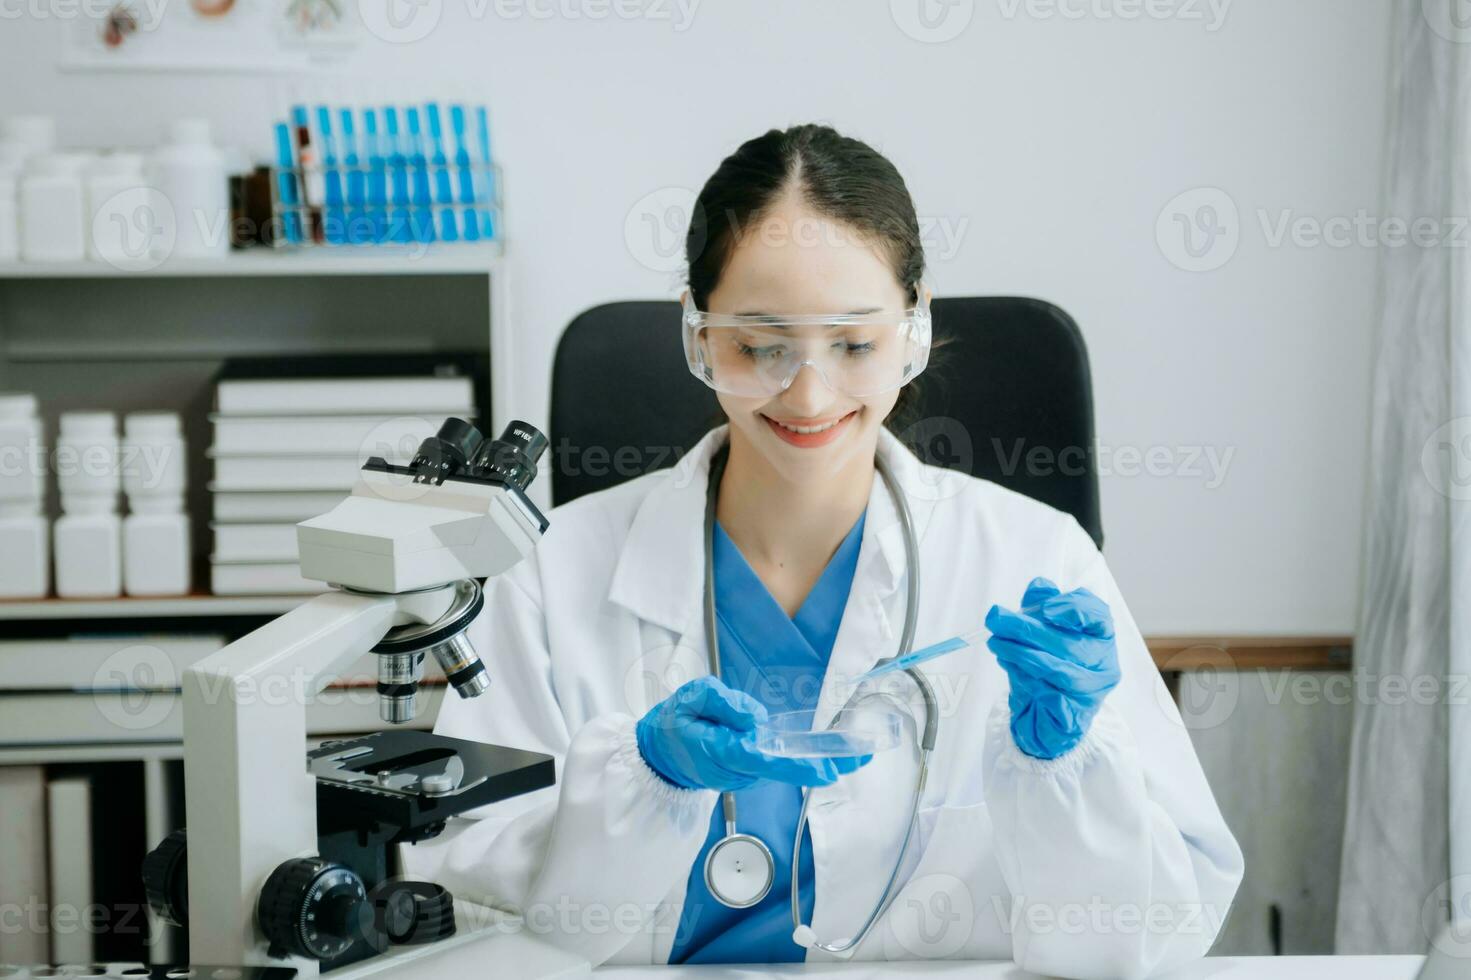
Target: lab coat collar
<point x="661" y="572"/>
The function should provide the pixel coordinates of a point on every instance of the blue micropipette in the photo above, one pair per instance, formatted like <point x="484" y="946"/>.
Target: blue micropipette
<point x="923" y="654"/>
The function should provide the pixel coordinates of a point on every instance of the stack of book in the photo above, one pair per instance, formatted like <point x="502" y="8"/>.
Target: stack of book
<point x="288" y="449"/>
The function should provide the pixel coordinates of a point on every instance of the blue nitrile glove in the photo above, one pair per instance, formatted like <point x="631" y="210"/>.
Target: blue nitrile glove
<point x="703" y="736"/>
<point x="1060" y="655"/>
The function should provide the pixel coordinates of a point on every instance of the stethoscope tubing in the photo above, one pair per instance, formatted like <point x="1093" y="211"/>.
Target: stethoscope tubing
<point x="906" y="643"/>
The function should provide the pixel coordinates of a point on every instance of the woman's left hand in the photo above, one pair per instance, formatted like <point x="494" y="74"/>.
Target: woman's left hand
<point x="1060" y="654"/>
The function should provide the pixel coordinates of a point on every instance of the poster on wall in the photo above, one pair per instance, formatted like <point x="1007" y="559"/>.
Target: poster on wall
<point x="213" y="35"/>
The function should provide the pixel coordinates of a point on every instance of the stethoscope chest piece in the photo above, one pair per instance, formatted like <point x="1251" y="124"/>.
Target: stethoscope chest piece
<point x="739" y="871"/>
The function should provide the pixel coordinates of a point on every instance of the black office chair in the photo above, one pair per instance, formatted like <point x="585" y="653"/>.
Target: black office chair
<point x="1007" y="396"/>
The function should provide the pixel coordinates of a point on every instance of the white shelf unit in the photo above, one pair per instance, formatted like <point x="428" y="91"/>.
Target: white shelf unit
<point x="92" y="336"/>
<point x="393" y="260"/>
<point x="383" y="317"/>
<point x="75" y="610"/>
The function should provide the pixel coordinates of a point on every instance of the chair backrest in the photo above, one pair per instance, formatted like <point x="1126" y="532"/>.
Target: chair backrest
<point x="1008" y="397"/>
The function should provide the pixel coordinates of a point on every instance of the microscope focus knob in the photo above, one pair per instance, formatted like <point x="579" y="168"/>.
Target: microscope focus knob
<point x="314" y="908"/>
<point x="166" y="878"/>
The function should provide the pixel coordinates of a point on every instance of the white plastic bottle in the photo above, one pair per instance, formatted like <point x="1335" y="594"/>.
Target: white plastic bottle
<point x="52" y="208"/>
<point x="87" y="539"/>
<point x="22" y="137"/>
<point x="119" y="229"/>
<point x="189" y="172"/>
<point x="156" y="530"/>
<point x="24" y="535"/>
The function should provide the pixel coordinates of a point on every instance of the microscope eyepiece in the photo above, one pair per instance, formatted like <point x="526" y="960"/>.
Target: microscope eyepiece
<point x="513" y="456"/>
<point x="458" y="447"/>
<point x="447" y="452"/>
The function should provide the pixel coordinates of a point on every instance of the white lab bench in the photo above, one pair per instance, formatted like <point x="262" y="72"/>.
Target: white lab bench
<point x="1210" y="968"/>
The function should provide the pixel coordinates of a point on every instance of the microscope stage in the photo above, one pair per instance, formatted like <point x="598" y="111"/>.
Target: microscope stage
<point x="413" y="780"/>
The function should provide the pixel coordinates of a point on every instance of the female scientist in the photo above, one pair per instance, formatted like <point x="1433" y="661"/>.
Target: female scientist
<point x="1045" y="803"/>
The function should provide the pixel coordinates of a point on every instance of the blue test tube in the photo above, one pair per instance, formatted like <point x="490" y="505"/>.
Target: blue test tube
<point x="359" y="223"/>
<point x="377" y="176"/>
<point x="487" y="198"/>
<point x="465" y="172"/>
<point x="335" y="217"/>
<point x="443" y="194"/>
<point x="286" y="186"/>
<point x="398" y="215"/>
<point x="423" y="213"/>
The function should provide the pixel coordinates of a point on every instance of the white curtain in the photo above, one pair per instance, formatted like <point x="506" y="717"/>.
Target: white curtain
<point x="1407" y="839"/>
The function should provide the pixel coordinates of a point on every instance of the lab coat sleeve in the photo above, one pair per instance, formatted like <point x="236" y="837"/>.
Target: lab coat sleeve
<point x="1117" y="858"/>
<point x="586" y="864"/>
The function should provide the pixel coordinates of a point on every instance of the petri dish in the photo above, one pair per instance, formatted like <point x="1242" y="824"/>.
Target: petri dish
<point x="864" y="729"/>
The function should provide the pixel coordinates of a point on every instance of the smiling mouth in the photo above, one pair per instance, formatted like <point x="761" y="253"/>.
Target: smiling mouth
<point x="813" y="434"/>
<point x="808" y="430"/>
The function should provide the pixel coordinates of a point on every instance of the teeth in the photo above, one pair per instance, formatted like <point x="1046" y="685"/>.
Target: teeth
<point x="807" y="430"/>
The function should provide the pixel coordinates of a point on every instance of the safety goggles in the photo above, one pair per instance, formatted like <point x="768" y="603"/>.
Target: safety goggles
<point x="857" y="354"/>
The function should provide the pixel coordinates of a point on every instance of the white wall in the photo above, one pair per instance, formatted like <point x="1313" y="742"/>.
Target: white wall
<point x="1053" y="142"/>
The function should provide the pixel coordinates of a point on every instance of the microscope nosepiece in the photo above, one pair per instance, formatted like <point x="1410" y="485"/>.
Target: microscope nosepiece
<point x="401" y="655"/>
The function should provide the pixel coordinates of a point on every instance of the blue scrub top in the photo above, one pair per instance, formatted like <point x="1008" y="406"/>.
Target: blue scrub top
<point x="780" y="661"/>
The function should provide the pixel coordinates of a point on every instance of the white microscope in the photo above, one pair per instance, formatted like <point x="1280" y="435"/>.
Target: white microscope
<point x="285" y="869"/>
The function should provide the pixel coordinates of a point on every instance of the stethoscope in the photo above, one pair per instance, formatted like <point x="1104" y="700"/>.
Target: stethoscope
<point x="740" y="869"/>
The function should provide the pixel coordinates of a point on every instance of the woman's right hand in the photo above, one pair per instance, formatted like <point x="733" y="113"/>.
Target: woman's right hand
<point x="703" y="736"/>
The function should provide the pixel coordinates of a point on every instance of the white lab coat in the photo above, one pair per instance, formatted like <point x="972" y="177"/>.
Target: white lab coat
<point x="1111" y="860"/>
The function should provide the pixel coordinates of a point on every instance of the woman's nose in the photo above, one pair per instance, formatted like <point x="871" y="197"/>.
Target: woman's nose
<point x="808" y="394"/>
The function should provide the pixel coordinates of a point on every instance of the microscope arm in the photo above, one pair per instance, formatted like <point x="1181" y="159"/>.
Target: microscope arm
<point x="249" y="800"/>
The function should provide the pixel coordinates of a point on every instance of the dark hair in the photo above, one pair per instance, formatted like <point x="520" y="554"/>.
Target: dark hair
<point x="836" y="176"/>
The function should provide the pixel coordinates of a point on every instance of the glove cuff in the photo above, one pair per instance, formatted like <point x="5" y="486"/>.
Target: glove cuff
<point x="646" y="735"/>
<point x="1107" y="728"/>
